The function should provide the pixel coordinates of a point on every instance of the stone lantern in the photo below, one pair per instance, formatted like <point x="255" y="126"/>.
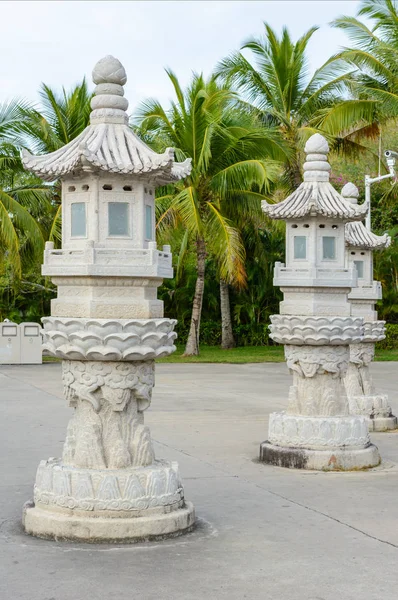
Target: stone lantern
<point x="107" y="326"/>
<point x="362" y="396"/>
<point x="316" y="327"/>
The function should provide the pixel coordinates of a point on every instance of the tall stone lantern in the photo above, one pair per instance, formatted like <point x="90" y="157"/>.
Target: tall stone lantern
<point x="316" y="327"/>
<point x="107" y="326"/>
<point x="362" y="395"/>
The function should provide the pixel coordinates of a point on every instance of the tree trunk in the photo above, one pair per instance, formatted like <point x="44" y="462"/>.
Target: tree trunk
<point x="192" y="347"/>
<point x="227" y="336"/>
<point x="294" y="174"/>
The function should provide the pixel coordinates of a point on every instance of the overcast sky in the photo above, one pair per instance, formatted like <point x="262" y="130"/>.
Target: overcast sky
<point x="58" y="42"/>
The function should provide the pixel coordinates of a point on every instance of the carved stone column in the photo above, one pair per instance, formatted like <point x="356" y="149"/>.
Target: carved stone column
<point x="108" y="486"/>
<point x="317" y="431"/>
<point x="362" y="395"/>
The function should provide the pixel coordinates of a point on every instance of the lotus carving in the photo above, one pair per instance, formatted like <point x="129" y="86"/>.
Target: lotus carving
<point x="102" y="339"/>
<point x="316" y="331"/>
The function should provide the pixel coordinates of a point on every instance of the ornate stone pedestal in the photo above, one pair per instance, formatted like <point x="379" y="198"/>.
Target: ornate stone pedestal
<point x="317" y="431"/>
<point x="108" y="485"/>
<point x="362" y="396"/>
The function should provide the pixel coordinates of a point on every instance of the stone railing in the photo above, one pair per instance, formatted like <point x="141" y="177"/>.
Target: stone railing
<point x="314" y="276"/>
<point x="367" y="292"/>
<point x="92" y="260"/>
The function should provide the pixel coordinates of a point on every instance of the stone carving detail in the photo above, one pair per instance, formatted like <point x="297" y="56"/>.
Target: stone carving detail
<point x="107" y="429"/>
<point x="317" y="388"/>
<point x="362" y="396"/>
<point x="374" y="331"/>
<point x="315" y="432"/>
<point x="315" y="331"/>
<point x="311" y="361"/>
<point x="110" y="340"/>
<point x="136" y="489"/>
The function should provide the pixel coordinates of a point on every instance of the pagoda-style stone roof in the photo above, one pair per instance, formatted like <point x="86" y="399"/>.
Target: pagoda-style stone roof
<point x="108" y="143"/>
<point x="315" y="196"/>
<point x="356" y="234"/>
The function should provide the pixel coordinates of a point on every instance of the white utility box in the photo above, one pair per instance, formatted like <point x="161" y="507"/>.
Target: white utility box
<point x="31" y="342"/>
<point x="10" y="344"/>
<point x="20" y="344"/>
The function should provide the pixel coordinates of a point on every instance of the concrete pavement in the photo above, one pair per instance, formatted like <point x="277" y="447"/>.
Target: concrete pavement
<point x="263" y="532"/>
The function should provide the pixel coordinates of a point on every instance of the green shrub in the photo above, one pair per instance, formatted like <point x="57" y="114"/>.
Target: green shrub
<point x="391" y="340"/>
<point x="210" y="334"/>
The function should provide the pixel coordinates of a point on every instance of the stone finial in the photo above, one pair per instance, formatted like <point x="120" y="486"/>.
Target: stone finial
<point x="108" y="104"/>
<point x="350" y="193"/>
<point x="316" y="167"/>
<point x="109" y="70"/>
<point x="316" y="144"/>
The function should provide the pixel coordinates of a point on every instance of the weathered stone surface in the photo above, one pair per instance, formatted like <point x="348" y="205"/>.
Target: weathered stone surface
<point x="74" y="527"/>
<point x="109" y="492"/>
<point x="327" y="459"/>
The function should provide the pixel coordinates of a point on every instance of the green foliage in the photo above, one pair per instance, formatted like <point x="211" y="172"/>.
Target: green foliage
<point x="278" y="87"/>
<point x="391" y="341"/>
<point x="30" y="210"/>
<point x="249" y="334"/>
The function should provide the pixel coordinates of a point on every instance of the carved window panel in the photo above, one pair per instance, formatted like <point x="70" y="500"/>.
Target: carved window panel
<point x="148" y="222"/>
<point x="300" y="247"/>
<point x="328" y="247"/>
<point x="78" y="219"/>
<point x="359" y="267"/>
<point x="118" y="219"/>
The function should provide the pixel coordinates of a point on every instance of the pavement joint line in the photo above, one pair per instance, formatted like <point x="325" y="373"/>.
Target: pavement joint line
<point x="295" y="502"/>
<point x="319" y="512"/>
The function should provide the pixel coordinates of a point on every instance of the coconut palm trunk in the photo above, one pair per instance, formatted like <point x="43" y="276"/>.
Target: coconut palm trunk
<point x="192" y="346"/>
<point x="227" y="336"/>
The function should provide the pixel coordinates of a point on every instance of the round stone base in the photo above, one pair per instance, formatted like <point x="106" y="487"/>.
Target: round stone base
<point x="332" y="459"/>
<point x="383" y="423"/>
<point x="49" y="524"/>
<point x="376" y="409"/>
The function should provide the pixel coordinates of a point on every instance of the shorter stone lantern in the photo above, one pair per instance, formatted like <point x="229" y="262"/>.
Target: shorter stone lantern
<point x="362" y="395"/>
<point x="316" y="327"/>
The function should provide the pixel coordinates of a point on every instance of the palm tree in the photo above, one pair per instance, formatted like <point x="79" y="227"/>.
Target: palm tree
<point x="278" y="87"/>
<point x="21" y="236"/>
<point x="30" y="209"/>
<point x="374" y="53"/>
<point x="231" y="158"/>
<point x="61" y="118"/>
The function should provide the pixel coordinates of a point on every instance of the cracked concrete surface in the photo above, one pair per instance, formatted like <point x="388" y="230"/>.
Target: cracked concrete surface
<point x="263" y="532"/>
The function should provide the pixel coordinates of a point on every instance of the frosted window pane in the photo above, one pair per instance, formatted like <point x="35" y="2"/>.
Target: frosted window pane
<point x="359" y="266"/>
<point x="78" y="219"/>
<point x="329" y="247"/>
<point x="118" y="218"/>
<point x="148" y="222"/>
<point x="300" y="246"/>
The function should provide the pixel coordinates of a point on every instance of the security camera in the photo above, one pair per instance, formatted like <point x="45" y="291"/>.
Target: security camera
<point x="390" y="154"/>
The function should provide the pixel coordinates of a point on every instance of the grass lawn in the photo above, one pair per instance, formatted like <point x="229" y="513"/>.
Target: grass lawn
<point x="244" y="354"/>
<point x="248" y="354"/>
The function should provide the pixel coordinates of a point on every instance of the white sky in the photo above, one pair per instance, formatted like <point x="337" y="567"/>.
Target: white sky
<point x="58" y="42"/>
